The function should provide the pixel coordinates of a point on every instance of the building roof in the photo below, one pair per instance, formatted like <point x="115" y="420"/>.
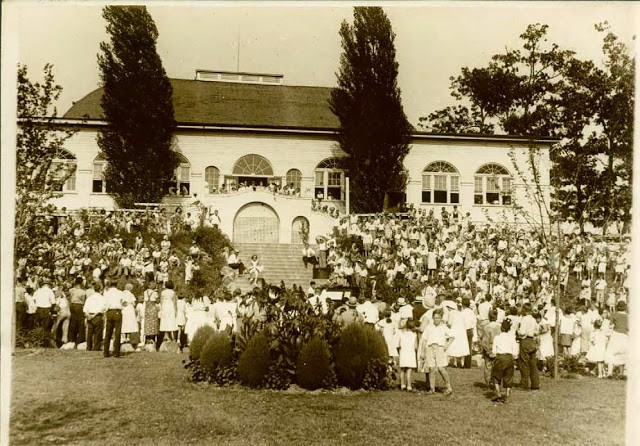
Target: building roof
<point x="235" y="104"/>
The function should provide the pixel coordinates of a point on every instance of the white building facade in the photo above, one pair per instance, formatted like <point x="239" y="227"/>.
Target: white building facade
<point x="255" y="132"/>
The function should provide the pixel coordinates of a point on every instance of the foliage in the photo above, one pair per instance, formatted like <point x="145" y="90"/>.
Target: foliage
<point x="197" y="373"/>
<point x="42" y="163"/>
<point x="314" y="364"/>
<point x="35" y="338"/>
<point x="254" y="362"/>
<point x="378" y="375"/>
<point x="374" y="131"/>
<point x="216" y="353"/>
<point x="225" y="375"/>
<point x="138" y="107"/>
<point x="358" y="346"/>
<point x="278" y="377"/>
<point x="291" y="325"/>
<point x="541" y="89"/>
<point x="199" y="340"/>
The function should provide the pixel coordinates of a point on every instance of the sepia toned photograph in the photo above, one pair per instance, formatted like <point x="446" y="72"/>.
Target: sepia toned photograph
<point x="331" y="223"/>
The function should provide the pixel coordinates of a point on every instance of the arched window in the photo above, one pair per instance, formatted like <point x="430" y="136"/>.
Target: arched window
<point x="440" y="183"/>
<point x="212" y="179"/>
<point x="99" y="184"/>
<point x="492" y="185"/>
<point x="294" y="179"/>
<point x="253" y="165"/>
<point x="63" y="172"/>
<point x="329" y="179"/>
<point x="180" y="183"/>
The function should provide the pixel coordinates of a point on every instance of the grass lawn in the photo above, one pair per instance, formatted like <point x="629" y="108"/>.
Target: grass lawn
<point x="71" y="397"/>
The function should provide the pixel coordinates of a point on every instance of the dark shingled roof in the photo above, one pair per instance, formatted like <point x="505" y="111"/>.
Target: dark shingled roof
<point x="235" y="104"/>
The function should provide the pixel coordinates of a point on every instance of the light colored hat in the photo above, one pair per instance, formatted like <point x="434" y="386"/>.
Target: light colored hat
<point x="402" y="301"/>
<point x="353" y="301"/>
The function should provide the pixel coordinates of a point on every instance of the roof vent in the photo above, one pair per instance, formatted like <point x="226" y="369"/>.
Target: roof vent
<point x="239" y="77"/>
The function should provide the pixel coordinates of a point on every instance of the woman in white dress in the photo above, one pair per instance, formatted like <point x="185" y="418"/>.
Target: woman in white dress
<point x="255" y="268"/>
<point x="459" y="348"/>
<point x="196" y="316"/>
<point x="129" y="319"/>
<point x="168" y="311"/>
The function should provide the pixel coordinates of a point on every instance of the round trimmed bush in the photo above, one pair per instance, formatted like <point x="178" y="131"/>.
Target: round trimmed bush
<point x="254" y="361"/>
<point x="357" y="347"/>
<point x="216" y="353"/>
<point x="314" y="364"/>
<point x="200" y="338"/>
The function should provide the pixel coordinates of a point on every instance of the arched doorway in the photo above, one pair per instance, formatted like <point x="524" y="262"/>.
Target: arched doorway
<point x="256" y="223"/>
<point x="296" y="229"/>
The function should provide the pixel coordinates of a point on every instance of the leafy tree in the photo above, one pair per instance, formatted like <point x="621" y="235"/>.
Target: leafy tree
<point x="374" y="129"/>
<point x="544" y="90"/>
<point x="39" y="146"/>
<point x="137" y="104"/>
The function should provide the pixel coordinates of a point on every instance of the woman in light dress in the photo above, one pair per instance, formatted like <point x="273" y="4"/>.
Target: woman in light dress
<point x="255" y="268"/>
<point x="129" y="320"/>
<point x="168" y="311"/>
<point x="196" y="316"/>
<point x="459" y="348"/>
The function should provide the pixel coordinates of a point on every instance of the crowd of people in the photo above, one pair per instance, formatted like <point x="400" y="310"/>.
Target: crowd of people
<point x="438" y="287"/>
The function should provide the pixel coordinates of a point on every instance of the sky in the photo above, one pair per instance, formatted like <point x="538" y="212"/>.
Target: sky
<point x="301" y="41"/>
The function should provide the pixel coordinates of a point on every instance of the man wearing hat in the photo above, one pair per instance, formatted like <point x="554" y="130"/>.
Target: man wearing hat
<point x="45" y="299"/>
<point x="348" y="315"/>
<point x="235" y="263"/>
<point x="405" y="310"/>
<point x="318" y="301"/>
<point x="368" y="310"/>
<point x="113" y="300"/>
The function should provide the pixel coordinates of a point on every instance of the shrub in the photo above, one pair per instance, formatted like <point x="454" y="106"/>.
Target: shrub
<point x="357" y="347"/>
<point x="200" y="338"/>
<point x="216" y="353"/>
<point x="278" y="377"/>
<point x="378" y="375"/>
<point x="254" y="362"/>
<point x="35" y="338"/>
<point x="314" y="364"/>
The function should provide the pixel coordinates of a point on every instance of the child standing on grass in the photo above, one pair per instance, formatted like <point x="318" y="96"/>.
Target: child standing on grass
<point x="408" y="344"/>
<point x="437" y="338"/>
<point x="505" y="350"/>
<point x="389" y="331"/>
<point x="597" y="347"/>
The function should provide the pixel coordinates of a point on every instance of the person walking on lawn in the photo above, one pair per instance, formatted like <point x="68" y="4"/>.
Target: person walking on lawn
<point x="528" y="347"/>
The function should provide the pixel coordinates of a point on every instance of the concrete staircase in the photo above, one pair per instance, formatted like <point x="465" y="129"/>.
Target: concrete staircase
<point x="280" y="262"/>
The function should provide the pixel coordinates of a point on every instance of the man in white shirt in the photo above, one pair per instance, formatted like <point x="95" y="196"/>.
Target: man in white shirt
<point x="527" y="333"/>
<point x="469" y="318"/>
<point x="309" y="256"/>
<point x="368" y="311"/>
<point x="45" y="299"/>
<point x="93" y="309"/>
<point x="113" y="301"/>
<point x="318" y="301"/>
<point x="235" y="263"/>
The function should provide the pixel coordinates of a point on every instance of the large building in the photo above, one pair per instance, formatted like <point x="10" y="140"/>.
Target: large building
<point x="250" y="129"/>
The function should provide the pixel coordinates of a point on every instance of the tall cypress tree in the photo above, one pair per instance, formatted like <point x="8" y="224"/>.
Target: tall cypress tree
<point x="137" y="105"/>
<point x="374" y="130"/>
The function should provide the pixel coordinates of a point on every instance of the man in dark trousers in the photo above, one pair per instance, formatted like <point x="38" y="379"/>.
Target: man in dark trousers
<point x="113" y="299"/>
<point x="528" y="346"/>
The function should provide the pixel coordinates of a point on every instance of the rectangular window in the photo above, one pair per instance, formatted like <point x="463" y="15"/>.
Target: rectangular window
<point x="477" y="185"/>
<point x="426" y="196"/>
<point x="492" y="198"/>
<point x="454" y="184"/>
<point x="440" y="196"/>
<point x="426" y="182"/>
<point x="440" y="182"/>
<point x="70" y="185"/>
<point x="98" y="178"/>
<point x="455" y="197"/>
<point x="320" y="178"/>
<point x="334" y="178"/>
<point x="493" y="184"/>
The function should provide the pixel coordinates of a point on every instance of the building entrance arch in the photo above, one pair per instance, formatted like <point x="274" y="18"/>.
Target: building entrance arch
<point x="256" y="223"/>
<point x="296" y="229"/>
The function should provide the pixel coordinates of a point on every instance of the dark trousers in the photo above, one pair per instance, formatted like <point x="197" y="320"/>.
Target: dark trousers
<point x="114" y="325"/>
<point x="94" y="332"/>
<point x="76" y="324"/>
<point x="237" y="266"/>
<point x="309" y="259"/>
<point x="43" y="318"/>
<point x="528" y="363"/>
<point x="21" y="316"/>
<point x="467" y="359"/>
